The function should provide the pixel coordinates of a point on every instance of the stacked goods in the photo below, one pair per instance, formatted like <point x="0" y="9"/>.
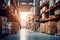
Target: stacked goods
<point x="58" y="28"/>
<point x="41" y="11"/>
<point x="44" y="8"/>
<point x="57" y="12"/>
<point x="4" y="25"/>
<point x="47" y="28"/>
<point x="9" y="27"/>
<point x="52" y="27"/>
<point x="42" y="27"/>
<point x="32" y="27"/>
<point x="30" y="22"/>
<point x="28" y="25"/>
<point x="15" y="27"/>
<point x="43" y="16"/>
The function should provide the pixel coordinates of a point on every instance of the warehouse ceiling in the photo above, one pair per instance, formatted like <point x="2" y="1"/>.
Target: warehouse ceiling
<point x="27" y="1"/>
<point x="25" y="5"/>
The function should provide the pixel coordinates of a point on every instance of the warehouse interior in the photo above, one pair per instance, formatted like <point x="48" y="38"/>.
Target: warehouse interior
<point x="29" y="19"/>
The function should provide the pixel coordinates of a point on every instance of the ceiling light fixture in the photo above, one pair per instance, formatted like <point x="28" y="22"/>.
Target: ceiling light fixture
<point x="23" y="3"/>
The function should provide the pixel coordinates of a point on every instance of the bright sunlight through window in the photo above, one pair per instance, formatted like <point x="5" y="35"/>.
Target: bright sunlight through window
<point x="23" y="16"/>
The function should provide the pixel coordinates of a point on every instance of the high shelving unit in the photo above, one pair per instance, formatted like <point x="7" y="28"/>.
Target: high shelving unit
<point x="11" y="12"/>
<point x="49" y="15"/>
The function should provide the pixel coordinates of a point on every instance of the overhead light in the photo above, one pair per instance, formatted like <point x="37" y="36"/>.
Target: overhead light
<point x="23" y="3"/>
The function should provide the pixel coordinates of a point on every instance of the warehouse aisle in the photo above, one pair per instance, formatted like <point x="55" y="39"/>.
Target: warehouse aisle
<point x="25" y="34"/>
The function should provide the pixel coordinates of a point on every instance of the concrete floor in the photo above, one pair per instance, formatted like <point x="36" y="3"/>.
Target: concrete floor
<point x="25" y="34"/>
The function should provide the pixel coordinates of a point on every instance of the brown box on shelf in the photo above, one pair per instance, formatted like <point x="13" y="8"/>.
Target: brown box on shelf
<point x="46" y="27"/>
<point x="28" y="26"/>
<point x="52" y="23"/>
<point x="32" y="27"/>
<point x="58" y="28"/>
<point x="52" y="27"/>
<point x="57" y="11"/>
<point x="44" y="16"/>
<point x="4" y="18"/>
<point x="15" y="27"/>
<point x="44" y="8"/>
<point x="51" y="30"/>
<point x="41" y="11"/>
<point x="4" y="23"/>
<point x="42" y="27"/>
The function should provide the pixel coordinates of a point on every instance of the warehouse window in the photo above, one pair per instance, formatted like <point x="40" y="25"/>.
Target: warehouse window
<point x="23" y="16"/>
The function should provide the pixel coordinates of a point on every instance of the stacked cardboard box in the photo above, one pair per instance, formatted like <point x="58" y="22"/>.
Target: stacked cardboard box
<point x="3" y="25"/>
<point x="52" y="27"/>
<point x="30" y="22"/>
<point x="58" y="28"/>
<point x="15" y="27"/>
<point x="44" y="8"/>
<point x="44" y="16"/>
<point x="42" y="27"/>
<point x="57" y="12"/>
<point x="48" y="27"/>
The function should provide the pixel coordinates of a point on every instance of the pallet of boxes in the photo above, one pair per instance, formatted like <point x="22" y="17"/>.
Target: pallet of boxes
<point x="3" y="26"/>
<point x="57" y="13"/>
<point x="30" y="24"/>
<point x="50" y="19"/>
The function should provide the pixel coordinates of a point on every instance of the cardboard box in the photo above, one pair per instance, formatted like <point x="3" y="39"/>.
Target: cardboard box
<point x="58" y="28"/>
<point x="44" y="16"/>
<point x="52" y="23"/>
<point x="44" y="8"/>
<point x="52" y="27"/>
<point x="51" y="30"/>
<point x="42" y="27"/>
<point x="15" y="27"/>
<point x="57" y="12"/>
